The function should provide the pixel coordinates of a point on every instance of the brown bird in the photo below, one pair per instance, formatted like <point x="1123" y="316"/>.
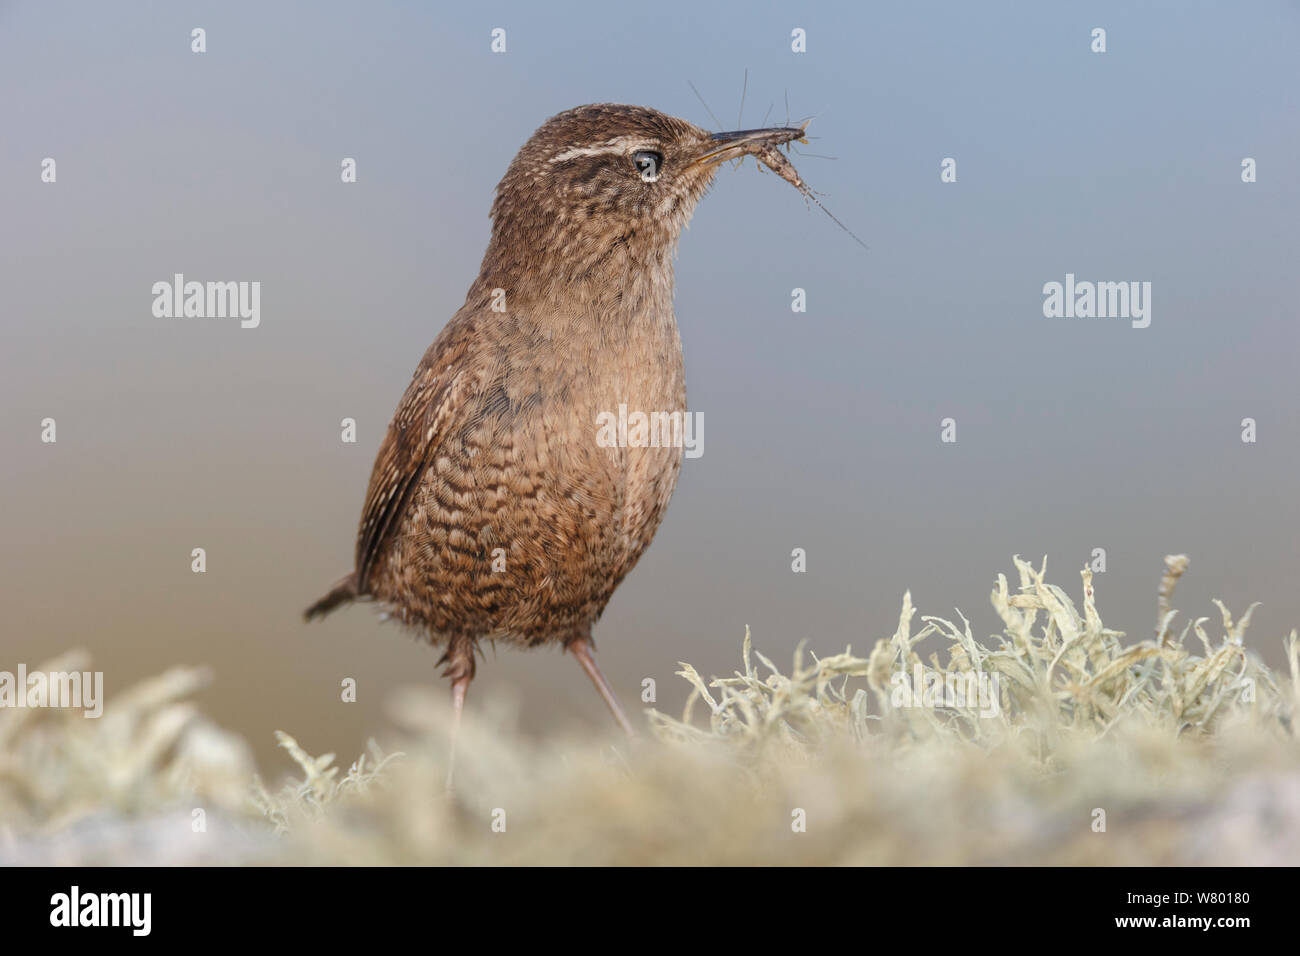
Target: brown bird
<point x="493" y="512"/>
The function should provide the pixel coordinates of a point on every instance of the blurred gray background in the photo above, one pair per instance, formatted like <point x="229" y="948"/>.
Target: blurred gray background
<point x="822" y="429"/>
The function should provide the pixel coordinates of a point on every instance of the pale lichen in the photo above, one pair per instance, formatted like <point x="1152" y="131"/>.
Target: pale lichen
<point x="1183" y="745"/>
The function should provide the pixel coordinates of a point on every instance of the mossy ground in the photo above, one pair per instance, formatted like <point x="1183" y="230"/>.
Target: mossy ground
<point x="1180" y="748"/>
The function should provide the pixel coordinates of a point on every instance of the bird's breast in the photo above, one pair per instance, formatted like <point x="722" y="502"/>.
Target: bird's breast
<point x="601" y="410"/>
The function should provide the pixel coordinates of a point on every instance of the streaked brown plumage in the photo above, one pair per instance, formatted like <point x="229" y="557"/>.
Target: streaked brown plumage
<point x="493" y="445"/>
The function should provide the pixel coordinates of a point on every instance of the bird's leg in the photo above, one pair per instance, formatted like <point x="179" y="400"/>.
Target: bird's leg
<point x="458" y="688"/>
<point x="581" y="648"/>
<point x="459" y="659"/>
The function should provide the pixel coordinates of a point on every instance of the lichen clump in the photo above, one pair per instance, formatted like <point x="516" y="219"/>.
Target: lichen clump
<point x="1056" y="741"/>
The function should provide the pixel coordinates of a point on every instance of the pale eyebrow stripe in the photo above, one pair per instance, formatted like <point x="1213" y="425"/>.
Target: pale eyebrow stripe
<point x="618" y="144"/>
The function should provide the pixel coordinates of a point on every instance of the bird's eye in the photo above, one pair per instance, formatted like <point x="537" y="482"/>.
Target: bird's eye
<point x="648" y="163"/>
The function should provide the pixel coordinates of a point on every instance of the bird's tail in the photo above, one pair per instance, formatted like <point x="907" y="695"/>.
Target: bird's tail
<point x="343" y="592"/>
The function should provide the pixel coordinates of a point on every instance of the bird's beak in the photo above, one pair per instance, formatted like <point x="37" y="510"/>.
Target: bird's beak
<point x="748" y="142"/>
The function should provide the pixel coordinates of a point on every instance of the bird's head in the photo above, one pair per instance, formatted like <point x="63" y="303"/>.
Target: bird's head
<point x="608" y="175"/>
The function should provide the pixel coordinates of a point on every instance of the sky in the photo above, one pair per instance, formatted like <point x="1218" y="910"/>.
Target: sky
<point x="824" y="427"/>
